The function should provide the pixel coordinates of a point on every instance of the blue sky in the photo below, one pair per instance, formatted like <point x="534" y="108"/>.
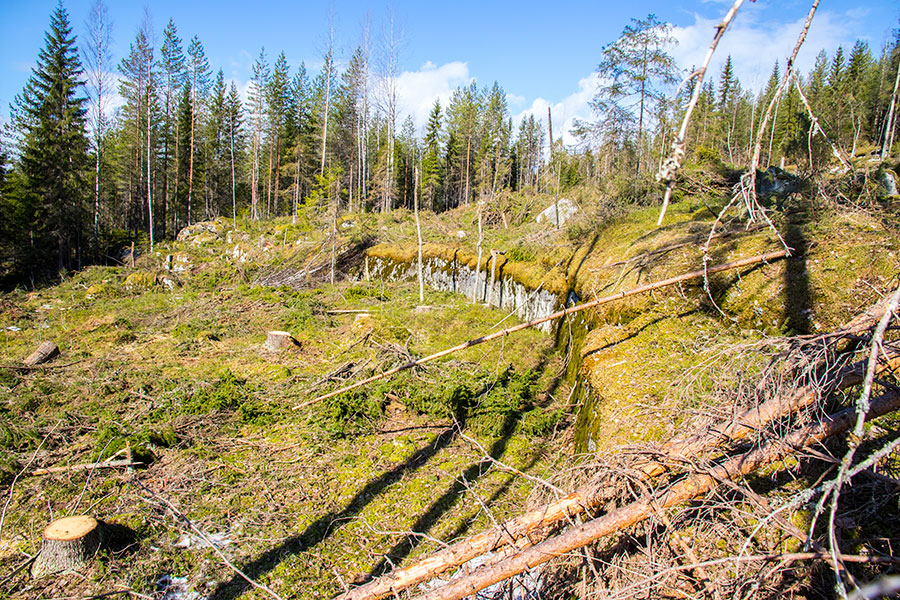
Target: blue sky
<point x="541" y="53"/>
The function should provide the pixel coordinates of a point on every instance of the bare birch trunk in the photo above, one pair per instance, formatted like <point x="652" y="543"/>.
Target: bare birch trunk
<point x="889" y="129"/>
<point x="418" y="235"/>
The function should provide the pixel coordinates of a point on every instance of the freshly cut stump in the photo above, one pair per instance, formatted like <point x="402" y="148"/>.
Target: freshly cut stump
<point x="68" y="544"/>
<point x="276" y="341"/>
<point x="46" y="351"/>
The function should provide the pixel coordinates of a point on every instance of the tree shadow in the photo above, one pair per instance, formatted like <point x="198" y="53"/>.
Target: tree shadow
<point x="442" y="504"/>
<point x="322" y="528"/>
<point x="797" y="294"/>
<point x="404" y="547"/>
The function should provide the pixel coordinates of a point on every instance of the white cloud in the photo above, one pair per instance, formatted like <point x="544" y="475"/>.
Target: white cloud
<point x="574" y="106"/>
<point x="755" y="46"/>
<point x="417" y="90"/>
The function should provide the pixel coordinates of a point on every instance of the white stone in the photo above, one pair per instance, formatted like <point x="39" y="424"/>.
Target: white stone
<point x="567" y="210"/>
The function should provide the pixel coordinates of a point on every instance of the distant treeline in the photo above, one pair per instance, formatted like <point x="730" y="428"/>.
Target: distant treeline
<point x="78" y="180"/>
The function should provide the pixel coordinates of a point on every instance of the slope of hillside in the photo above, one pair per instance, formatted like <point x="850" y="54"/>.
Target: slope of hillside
<point x="164" y="363"/>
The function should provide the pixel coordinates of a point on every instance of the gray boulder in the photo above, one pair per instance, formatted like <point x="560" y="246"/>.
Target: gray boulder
<point x="567" y="210"/>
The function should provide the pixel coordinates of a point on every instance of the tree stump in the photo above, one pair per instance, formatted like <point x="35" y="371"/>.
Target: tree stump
<point x="276" y="341"/>
<point x="45" y="352"/>
<point x="68" y="544"/>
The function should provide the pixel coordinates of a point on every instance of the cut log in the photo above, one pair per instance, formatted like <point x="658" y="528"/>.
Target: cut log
<point x="45" y="352"/>
<point x="276" y="341"/>
<point x="68" y="545"/>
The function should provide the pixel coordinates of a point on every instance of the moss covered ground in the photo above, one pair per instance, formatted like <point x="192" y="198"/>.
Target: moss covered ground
<point x="164" y="361"/>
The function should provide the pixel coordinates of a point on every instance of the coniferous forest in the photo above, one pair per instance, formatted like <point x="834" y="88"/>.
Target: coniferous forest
<point x="81" y="179"/>
<point x="283" y="340"/>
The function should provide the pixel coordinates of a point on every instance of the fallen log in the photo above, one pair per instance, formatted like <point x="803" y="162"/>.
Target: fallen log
<point x="45" y="352"/>
<point x="753" y="419"/>
<point x="692" y="486"/>
<point x="574" y="309"/>
<point x="110" y="464"/>
<point x="589" y="497"/>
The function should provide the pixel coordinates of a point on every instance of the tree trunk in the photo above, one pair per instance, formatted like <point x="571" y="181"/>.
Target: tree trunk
<point x="149" y="186"/>
<point x="889" y="129"/>
<point x="692" y="486"/>
<point x="418" y="235"/>
<point x="191" y="157"/>
<point x="233" y="196"/>
<point x="68" y="544"/>
<point x="478" y="261"/>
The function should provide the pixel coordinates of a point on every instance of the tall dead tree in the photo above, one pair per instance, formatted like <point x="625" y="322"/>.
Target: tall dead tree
<point x="97" y="61"/>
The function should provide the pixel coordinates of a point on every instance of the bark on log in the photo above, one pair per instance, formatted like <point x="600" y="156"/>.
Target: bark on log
<point x="690" y="487"/>
<point x="757" y="417"/>
<point x="276" y="341"/>
<point x="68" y="544"/>
<point x="44" y="353"/>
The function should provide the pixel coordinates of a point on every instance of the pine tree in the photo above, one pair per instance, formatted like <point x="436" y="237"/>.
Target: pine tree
<point x="136" y="88"/>
<point x="51" y="119"/>
<point x="198" y="81"/>
<point x="638" y="70"/>
<point x="277" y="92"/>
<point x="257" y="99"/>
<point x="233" y="125"/>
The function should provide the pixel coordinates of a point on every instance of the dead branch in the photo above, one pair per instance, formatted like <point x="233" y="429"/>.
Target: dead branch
<point x="817" y="126"/>
<point x="770" y="256"/>
<point x="692" y="486"/>
<point x="862" y="408"/>
<point x="754" y="419"/>
<point x="181" y="517"/>
<point x="666" y="249"/>
<point x="113" y="464"/>
<point x="757" y="149"/>
<point x="669" y="169"/>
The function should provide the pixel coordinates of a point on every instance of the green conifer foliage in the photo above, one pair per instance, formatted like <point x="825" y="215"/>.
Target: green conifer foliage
<point x="54" y="143"/>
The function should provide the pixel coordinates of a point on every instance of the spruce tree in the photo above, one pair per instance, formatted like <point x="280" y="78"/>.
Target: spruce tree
<point x="171" y="65"/>
<point x="431" y="163"/>
<point x="54" y="142"/>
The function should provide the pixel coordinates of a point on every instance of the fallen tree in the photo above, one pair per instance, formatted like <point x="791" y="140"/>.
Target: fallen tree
<point x="769" y="256"/>
<point x="535" y="524"/>
<point x="691" y="486"/>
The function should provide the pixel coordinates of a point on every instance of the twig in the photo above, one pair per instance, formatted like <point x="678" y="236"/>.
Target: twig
<point x="40" y="367"/>
<point x="12" y="485"/>
<point x="862" y="408"/>
<point x="814" y="125"/>
<point x="505" y="467"/>
<point x="757" y="149"/>
<point x="17" y="570"/>
<point x="568" y="311"/>
<point x="181" y="517"/>
<point x="692" y="486"/>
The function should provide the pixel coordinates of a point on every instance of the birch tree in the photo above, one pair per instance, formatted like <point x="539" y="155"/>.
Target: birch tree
<point x="97" y="61"/>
